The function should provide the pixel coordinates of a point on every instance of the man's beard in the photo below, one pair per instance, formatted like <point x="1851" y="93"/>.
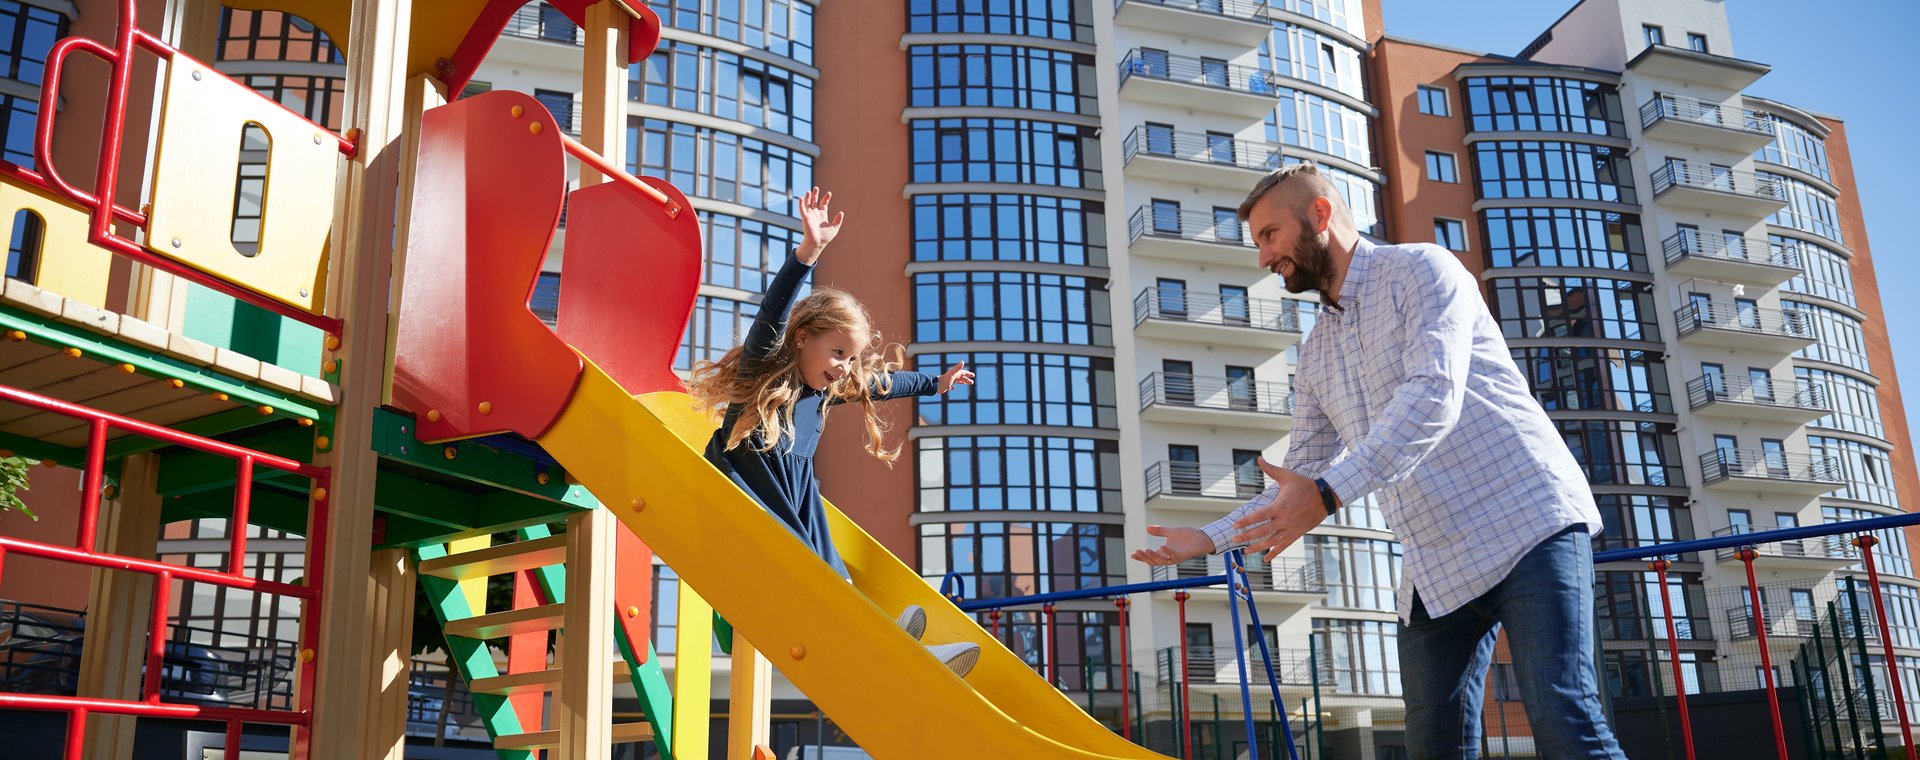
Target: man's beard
<point x="1312" y="263"/>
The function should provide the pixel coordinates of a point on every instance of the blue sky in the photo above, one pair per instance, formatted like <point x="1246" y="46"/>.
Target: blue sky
<point x="1839" y="58"/>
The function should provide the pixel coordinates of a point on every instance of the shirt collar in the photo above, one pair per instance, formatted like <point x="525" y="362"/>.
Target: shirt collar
<point x="1359" y="268"/>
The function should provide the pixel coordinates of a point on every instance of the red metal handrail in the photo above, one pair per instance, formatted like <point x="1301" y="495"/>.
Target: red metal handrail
<point x="101" y="424"/>
<point x="105" y="210"/>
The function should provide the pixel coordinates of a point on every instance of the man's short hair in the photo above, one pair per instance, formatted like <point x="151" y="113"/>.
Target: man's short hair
<point x="1302" y="182"/>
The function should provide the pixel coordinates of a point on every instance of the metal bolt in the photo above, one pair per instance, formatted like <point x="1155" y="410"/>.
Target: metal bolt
<point x="176" y="242"/>
<point x="303" y="292"/>
<point x="196" y="75"/>
<point x="316" y="139"/>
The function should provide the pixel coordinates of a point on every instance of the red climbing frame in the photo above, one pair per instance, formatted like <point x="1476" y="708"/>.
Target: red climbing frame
<point x="103" y="424"/>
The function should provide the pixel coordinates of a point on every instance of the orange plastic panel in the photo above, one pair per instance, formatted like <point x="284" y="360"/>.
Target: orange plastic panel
<point x="633" y="591"/>
<point x="470" y="358"/>
<point x="628" y="285"/>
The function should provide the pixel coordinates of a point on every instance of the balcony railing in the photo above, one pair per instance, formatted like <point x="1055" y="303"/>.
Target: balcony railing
<point x="1196" y="226"/>
<point x="1221" y="665"/>
<point x="1781" y="624"/>
<point x="1691" y="243"/>
<point x="1216" y="393"/>
<point x="1296" y="576"/>
<point x="1721" y="464"/>
<point x="1679" y="108"/>
<point x="1800" y="394"/>
<point x="1818" y="547"/>
<point x="1196" y="71"/>
<point x="1705" y="177"/>
<point x="1181" y="305"/>
<point x="541" y="21"/>
<point x="1233" y="9"/>
<point x="1751" y="319"/>
<point x="1195" y="480"/>
<point x="1201" y="147"/>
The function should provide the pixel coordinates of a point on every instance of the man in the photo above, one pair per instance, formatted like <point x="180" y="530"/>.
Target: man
<point x="1405" y="388"/>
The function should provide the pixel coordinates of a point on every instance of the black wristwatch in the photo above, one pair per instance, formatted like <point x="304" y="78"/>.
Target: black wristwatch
<point x="1327" y="496"/>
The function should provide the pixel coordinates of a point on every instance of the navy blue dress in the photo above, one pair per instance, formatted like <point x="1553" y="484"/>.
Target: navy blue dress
<point x="782" y="478"/>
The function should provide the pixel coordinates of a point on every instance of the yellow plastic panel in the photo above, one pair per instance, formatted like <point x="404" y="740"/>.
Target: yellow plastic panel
<point x="196" y="170"/>
<point x="693" y="676"/>
<point x="836" y="642"/>
<point x="474" y="589"/>
<point x="69" y="265"/>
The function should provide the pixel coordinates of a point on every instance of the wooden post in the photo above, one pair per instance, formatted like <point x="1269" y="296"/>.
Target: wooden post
<point x="391" y="586"/>
<point x="749" y="700"/>
<point x="358" y="283"/>
<point x="603" y="86"/>
<point x="119" y="607"/>
<point x="583" y="707"/>
<point x="693" y="676"/>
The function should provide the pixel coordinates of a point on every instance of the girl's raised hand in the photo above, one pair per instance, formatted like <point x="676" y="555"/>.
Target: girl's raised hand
<point x="958" y="374"/>
<point x="819" y="227"/>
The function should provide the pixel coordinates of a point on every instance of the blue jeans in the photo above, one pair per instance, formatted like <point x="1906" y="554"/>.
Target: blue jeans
<point x="1546" y="606"/>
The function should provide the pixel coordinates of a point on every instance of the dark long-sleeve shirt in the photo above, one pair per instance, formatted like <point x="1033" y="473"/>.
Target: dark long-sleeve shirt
<point x="782" y="478"/>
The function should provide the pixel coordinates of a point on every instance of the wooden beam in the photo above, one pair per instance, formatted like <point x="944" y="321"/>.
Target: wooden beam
<point x="112" y="660"/>
<point x="391" y="584"/>
<point x="693" y="676"/>
<point x="379" y="105"/>
<point x="583" y="708"/>
<point x="749" y="700"/>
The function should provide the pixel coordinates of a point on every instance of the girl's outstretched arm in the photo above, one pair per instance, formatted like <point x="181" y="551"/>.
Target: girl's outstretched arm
<point x="771" y="321"/>
<point x="904" y="383"/>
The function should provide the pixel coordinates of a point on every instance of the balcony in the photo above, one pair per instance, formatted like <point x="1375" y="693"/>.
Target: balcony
<point x="1290" y="576"/>
<point x="1196" y="83"/>
<point x="1197" y="158"/>
<point x="541" y="21"/>
<point x="1819" y="552"/>
<point x="1731" y="259"/>
<point x="1236" y="21"/>
<point x="1717" y="190"/>
<point x="1215" y="666"/>
<point x="1770" y="472"/>
<point x="1216" y="401"/>
<point x="1740" y="398"/>
<point x="1211" y="488"/>
<point x="1684" y="65"/>
<point x="1194" y="237"/>
<point x="1744" y="327"/>
<point x="1183" y="315"/>
<point x="1697" y="122"/>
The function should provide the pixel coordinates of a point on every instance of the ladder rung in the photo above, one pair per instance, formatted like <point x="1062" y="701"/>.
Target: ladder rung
<point x="532" y="682"/>
<point x="495" y="560"/>
<point x="638" y="731"/>
<point x="497" y="625"/>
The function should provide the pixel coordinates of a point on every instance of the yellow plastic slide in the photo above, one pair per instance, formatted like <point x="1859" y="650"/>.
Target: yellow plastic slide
<point x="838" y="644"/>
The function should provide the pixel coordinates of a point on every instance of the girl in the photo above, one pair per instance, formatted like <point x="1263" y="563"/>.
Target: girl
<point x="775" y="390"/>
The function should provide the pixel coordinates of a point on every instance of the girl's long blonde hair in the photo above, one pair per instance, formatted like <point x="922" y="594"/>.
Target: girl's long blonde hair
<point x="765" y="391"/>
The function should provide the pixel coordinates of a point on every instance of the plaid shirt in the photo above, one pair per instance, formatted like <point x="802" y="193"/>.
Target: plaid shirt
<point x="1408" y="389"/>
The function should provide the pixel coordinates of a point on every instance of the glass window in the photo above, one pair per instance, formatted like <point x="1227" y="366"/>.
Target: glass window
<point x="1441" y="167"/>
<point x="1532" y="169"/>
<point x="1365" y="656"/>
<point x="265" y="36"/>
<point x="1796" y="146"/>
<point x="1001" y="76"/>
<point x="727" y="85"/>
<point x="1316" y="123"/>
<point x="719" y="165"/>
<point x="1544" y="104"/>
<point x="1016" y="151"/>
<point x="1866" y="469"/>
<point x="18" y="119"/>
<point x="1345" y="15"/>
<point x="996" y="559"/>
<point x="1451" y="234"/>
<point x="1697" y="42"/>
<point x="1655" y="35"/>
<point x="1009" y="227"/>
<point x="1627" y="607"/>
<point x="1574" y="307"/>
<point x="1808" y="208"/>
<point x="1624" y="452"/>
<point x="1360" y="573"/>
<point x="1892" y="554"/>
<point x="1564" y="237"/>
<point x="1028" y="389"/>
<point x="1630" y="520"/>
<point x="716" y="326"/>
<point x="1433" y="101"/>
<point x="1051" y="19"/>
<point x="1166" y="216"/>
<point x="24" y="246"/>
<point x="1855" y="402"/>
<point x="546" y="297"/>
<point x="781" y="27"/>
<point x="999" y="473"/>
<point x="317" y="98"/>
<point x="744" y="253"/>
<point x="1825" y="273"/>
<point x="1306" y="54"/>
<point x="1580" y="378"/>
<point x="1014" y="307"/>
<point x="1172" y="297"/>
<point x="1839" y="338"/>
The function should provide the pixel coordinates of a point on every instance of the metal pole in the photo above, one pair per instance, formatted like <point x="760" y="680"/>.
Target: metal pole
<point x="1240" y="659"/>
<point x="1319" y="708"/>
<point x="1245" y="589"/>
<point x="819" y="735"/>
<point x="1846" y="683"/>
<point x="1866" y="543"/>
<point x="1660" y="567"/>
<point x="1126" y="666"/>
<point x="1186" y="682"/>
<point x="1747" y="554"/>
<point x="1048" y="642"/>
<point x="1866" y="675"/>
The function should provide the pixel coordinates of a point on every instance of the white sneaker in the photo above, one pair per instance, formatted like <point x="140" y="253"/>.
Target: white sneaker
<point x="913" y="620"/>
<point x="959" y="657"/>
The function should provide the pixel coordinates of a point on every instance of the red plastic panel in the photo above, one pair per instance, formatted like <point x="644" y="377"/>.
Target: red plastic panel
<point x="471" y="358"/>
<point x="629" y="281"/>
<point x="633" y="590"/>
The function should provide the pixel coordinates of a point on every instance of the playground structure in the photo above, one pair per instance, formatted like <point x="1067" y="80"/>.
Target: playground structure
<point x="441" y="413"/>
